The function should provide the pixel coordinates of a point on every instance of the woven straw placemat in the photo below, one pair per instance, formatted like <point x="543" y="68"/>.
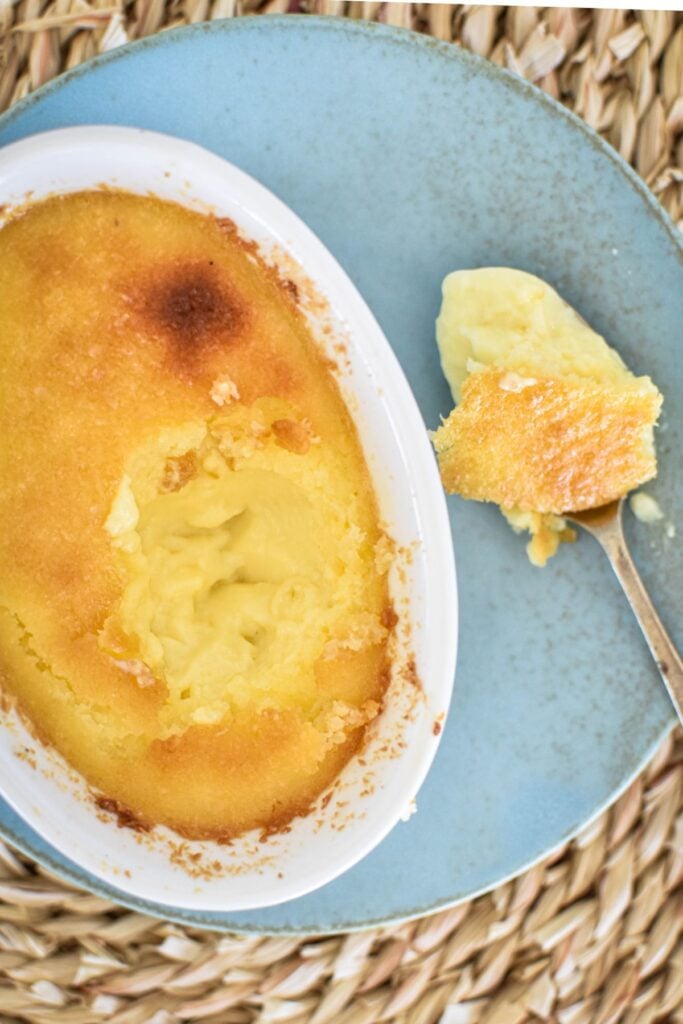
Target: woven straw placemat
<point x="590" y="936"/>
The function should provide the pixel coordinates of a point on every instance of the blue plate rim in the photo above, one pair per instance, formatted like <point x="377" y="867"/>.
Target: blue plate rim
<point x="402" y="36"/>
<point x="70" y="872"/>
<point x="73" y="875"/>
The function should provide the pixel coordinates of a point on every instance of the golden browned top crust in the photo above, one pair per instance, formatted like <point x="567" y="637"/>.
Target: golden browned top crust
<point x="547" y="444"/>
<point x="193" y="307"/>
<point x="159" y="388"/>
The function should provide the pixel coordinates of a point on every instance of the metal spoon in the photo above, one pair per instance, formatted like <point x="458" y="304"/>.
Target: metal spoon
<point x="605" y="525"/>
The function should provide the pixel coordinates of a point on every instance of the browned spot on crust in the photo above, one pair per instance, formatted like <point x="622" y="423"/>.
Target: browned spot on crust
<point x="275" y="830"/>
<point x="124" y="817"/>
<point x="438" y="723"/>
<point x="292" y="436"/>
<point x="228" y="227"/>
<point x="389" y="617"/>
<point x="410" y="674"/>
<point x="192" y="307"/>
<point x="178" y="470"/>
<point x="189" y="304"/>
<point x="290" y="288"/>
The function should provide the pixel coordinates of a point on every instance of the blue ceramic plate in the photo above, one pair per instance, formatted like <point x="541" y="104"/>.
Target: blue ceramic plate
<point x="410" y="158"/>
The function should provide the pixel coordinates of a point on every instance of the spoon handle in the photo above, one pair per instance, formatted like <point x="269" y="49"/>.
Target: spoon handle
<point x="660" y="643"/>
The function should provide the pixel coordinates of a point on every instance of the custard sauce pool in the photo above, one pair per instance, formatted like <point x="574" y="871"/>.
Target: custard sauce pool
<point x="194" y="602"/>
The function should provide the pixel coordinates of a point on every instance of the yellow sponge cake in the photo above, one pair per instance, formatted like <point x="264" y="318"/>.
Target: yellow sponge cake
<point x="191" y="609"/>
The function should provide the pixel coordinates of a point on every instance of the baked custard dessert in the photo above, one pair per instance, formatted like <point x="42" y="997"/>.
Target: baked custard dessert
<point x="195" y="607"/>
<point x="548" y="419"/>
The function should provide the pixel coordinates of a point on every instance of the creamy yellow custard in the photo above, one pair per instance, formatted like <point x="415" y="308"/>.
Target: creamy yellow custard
<point x="548" y="420"/>
<point x="192" y="607"/>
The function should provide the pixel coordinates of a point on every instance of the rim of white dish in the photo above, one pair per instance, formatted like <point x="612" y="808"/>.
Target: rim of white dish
<point x="410" y="436"/>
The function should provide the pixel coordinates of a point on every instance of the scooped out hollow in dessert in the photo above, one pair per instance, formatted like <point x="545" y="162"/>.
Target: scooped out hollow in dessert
<point x="192" y="610"/>
<point x="548" y="419"/>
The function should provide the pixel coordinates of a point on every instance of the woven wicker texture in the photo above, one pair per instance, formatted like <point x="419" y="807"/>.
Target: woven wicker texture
<point x="591" y="936"/>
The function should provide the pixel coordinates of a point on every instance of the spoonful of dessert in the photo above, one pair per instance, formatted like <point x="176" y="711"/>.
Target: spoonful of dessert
<point x="549" y="424"/>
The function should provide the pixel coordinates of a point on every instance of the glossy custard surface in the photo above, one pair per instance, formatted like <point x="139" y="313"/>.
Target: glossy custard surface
<point x="193" y="610"/>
